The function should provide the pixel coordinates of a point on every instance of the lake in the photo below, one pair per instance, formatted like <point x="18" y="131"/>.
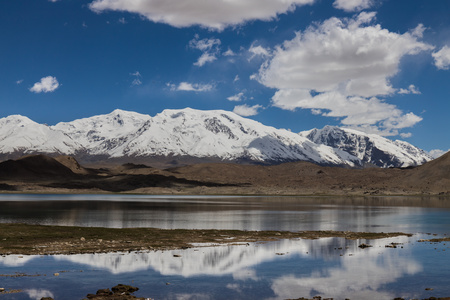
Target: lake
<point x="331" y="267"/>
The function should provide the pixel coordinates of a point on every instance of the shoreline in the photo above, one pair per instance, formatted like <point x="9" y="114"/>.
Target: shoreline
<point x="24" y="239"/>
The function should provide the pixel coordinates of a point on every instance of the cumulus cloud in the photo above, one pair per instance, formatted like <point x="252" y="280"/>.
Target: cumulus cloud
<point x="229" y="52"/>
<point x="352" y="5"/>
<point x="190" y="87"/>
<point x="209" y="47"/>
<point x="238" y="97"/>
<point x="247" y="111"/>
<point x="342" y="67"/>
<point x="406" y="135"/>
<point x="215" y="15"/>
<point x="436" y="153"/>
<point x="410" y="90"/>
<point x="258" y="51"/>
<point x="442" y="58"/>
<point x="46" y="85"/>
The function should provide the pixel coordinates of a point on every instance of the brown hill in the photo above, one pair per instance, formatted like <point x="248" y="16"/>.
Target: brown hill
<point x="435" y="174"/>
<point x="295" y="178"/>
<point x="71" y="163"/>
<point x="64" y="174"/>
<point x="34" y="167"/>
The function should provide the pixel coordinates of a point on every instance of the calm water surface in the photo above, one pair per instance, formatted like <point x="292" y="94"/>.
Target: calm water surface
<point x="330" y="267"/>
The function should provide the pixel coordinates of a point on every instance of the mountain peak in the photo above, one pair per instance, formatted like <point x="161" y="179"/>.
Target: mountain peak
<point x="200" y="134"/>
<point x="370" y="148"/>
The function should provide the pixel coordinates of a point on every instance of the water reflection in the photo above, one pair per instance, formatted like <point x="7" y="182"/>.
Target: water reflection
<point x="290" y="268"/>
<point x="330" y="267"/>
<point x="243" y="213"/>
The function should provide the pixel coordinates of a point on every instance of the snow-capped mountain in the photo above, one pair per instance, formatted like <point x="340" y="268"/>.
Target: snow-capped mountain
<point x="187" y="132"/>
<point x="21" y="135"/>
<point x="195" y="133"/>
<point x="369" y="148"/>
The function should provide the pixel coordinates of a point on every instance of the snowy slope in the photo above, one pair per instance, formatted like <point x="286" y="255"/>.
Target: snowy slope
<point x="369" y="148"/>
<point x="196" y="133"/>
<point x="202" y="134"/>
<point x="103" y="134"/>
<point x="20" y="134"/>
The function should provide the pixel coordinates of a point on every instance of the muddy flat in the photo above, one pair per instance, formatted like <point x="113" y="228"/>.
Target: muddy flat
<point x="40" y="240"/>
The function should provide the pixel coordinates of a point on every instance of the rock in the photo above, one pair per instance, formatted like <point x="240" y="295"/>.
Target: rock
<point x="82" y="239"/>
<point x="47" y="298"/>
<point x="122" y="288"/>
<point x="118" y="292"/>
<point x="2" y="290"/>
<point x="363" y="246"/>
<point x="176" y="255"/>
<point x="104" y="292"/>
<point x="56" y="274"/>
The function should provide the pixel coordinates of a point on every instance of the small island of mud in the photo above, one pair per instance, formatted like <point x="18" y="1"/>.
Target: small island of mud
<point x="40" y="240"/>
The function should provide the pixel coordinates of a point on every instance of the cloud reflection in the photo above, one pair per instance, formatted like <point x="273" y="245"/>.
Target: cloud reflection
<point x="329" y="267"/>
<point x="360" y="276"/>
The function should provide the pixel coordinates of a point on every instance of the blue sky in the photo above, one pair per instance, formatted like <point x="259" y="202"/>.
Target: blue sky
<point x="380" y="66"/>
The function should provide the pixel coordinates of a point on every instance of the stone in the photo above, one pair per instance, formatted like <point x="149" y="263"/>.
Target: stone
<point x="104" y="292"/>
<point x="122" y="288"/>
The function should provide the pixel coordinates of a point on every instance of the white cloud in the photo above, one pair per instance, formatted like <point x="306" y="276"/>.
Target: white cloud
<point x="190" y="87"/>
<point x="205" y="58"/>
<point x="215" y="15"/>
<point x="137" y="80"/>
<point x="410" y="90"/>
<point x="342" y="67"/>
<point x="47" y="84"/>
<point x="122" y="20"/>
<point x="258" y="51"/>
<point x="442" y="58"/>
<point x="406" y="135"/>
<point x="352" y="5"/>
<point x="209" y="47"/>
<point x="238" y="97"/>
<point x="236" y="78"/>
<point x="229" y="52"/>
<point x="247" y="111"/>
<point x="435" y="153"/>
<point x="19" y="81"/>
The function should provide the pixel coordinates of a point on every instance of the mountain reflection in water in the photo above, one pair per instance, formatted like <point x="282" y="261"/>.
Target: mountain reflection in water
<point x="382" y="214"/>
<point x="329" y="267"/>
<point x="290" y="268"/>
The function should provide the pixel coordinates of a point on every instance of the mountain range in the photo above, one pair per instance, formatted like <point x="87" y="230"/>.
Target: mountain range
<point x="194" y="135"/>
